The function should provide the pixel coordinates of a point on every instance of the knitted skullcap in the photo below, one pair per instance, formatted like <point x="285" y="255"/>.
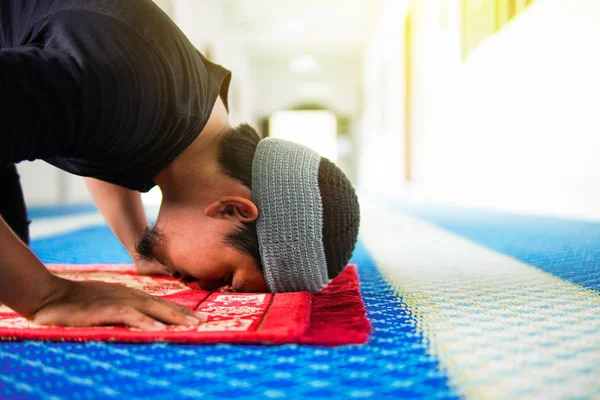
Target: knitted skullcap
<point x="308" y="216"/>
<point x="341" y="216"/>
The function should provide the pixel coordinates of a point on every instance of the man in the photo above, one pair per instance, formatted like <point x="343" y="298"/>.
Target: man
<point x="113" y="91"/>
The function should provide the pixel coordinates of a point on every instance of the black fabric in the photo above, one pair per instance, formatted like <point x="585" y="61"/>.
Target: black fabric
<point x="341" y="216"/>
<point x="12" y="203"/>
<point x="108" y="89"/>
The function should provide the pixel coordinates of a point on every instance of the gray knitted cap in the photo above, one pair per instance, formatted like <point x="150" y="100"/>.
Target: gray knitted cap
<point x="285" y="188"/>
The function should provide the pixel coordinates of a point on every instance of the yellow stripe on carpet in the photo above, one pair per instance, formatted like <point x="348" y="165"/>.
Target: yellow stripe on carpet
<point x="500" y="327"/>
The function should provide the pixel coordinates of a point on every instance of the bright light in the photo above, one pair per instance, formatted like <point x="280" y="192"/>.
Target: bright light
<point x="302" y="64"/>
<point x="294" y="25"/>
<point x="153" y="197"/>
<point x="315" y="89"/>
<point x="314" y="129"/>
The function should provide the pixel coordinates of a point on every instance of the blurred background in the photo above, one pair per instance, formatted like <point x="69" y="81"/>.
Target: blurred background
<point x="479" y="103"/>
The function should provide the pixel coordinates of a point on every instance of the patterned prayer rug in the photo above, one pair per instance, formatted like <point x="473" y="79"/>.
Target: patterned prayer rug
<point x="334" y="316"/>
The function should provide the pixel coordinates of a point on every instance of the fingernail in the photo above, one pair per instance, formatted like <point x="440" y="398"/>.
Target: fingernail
<point x="192" y="320"/>
<point x="159" y="326"/>
<point x="201" y="316"/>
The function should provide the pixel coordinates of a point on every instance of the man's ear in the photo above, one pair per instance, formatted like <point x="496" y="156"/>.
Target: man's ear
<point x="232" y="207"/>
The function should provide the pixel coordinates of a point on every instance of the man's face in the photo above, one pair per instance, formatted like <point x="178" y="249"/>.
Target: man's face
<point x="192" y="245"/>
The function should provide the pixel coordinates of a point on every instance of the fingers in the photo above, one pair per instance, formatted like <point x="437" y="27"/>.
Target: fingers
<point x="172" y="313"/>
<point x="146" y="316"/>
<point x="97" y="303"/>
<point x="131" y="317"/>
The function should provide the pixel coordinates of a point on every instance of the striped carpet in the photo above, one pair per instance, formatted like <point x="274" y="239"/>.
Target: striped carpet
<point x="464" y="304"/>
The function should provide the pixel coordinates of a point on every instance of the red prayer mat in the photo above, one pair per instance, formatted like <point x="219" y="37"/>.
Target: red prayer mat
<point x="334" y="316"/>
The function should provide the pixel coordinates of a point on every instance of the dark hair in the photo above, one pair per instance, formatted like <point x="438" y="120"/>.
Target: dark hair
<point x="145" y="246"/>
<point x="236" y="150"/>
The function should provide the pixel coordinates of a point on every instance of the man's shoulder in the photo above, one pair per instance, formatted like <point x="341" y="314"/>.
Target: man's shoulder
<point x="142" y="17"/>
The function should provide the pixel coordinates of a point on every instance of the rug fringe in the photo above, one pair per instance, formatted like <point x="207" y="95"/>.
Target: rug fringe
<point x="338" y="314"/>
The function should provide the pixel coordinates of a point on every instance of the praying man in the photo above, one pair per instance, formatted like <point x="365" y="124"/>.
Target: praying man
<point x="113" y="91"/>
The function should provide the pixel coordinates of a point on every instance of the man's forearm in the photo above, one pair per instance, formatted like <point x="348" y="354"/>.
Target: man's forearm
<point x="27" y="287"/>
<point x="25" y="283"/>
<point x="122" y="208"/>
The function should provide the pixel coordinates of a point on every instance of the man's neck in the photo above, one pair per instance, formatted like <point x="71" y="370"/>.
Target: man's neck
<point x="194" y="170"/>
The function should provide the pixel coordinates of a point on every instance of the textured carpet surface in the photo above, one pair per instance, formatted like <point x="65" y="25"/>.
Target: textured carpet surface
<point x="394" y="364"/>
<point x="399" y="361"/>
<point x="499" y="327"/>
<point x="568" y="249"/>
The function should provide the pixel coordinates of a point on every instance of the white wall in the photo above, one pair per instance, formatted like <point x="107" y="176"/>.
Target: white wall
<point x="381" y="144"/>
<point x="209" y="24"/>
<point x="41" y="182"/>
<point x="335" y="83"/>
<point x="515" y="126"/>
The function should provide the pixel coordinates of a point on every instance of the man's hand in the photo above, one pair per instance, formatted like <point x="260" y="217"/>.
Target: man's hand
<point x="151" y="267"/>
<point x="98" y="303"/>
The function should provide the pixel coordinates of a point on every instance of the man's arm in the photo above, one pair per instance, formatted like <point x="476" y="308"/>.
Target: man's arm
<point x="25" y="284"/>
<point x="122" y="208"/>
<point x="41" y="100"/>
<point x="27" y="287"/>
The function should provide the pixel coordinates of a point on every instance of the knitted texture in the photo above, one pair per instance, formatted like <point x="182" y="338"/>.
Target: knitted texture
<point x="341" y="216"/>
<point x="285" y="188"/>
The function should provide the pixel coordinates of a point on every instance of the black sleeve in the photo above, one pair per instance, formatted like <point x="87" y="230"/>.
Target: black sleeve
<point x="12" y="202"/>
<point x="40" y="100"/>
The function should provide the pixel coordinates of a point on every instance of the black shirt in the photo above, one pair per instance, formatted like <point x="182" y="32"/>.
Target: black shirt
<point x="110" y="89"/>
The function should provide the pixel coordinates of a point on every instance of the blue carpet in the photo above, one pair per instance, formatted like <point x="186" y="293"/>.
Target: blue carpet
<point x="566" y="248"/>
<point x="60" y="211"/>
<point x="394" y="364"/>
<point x="85" y="246"/>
